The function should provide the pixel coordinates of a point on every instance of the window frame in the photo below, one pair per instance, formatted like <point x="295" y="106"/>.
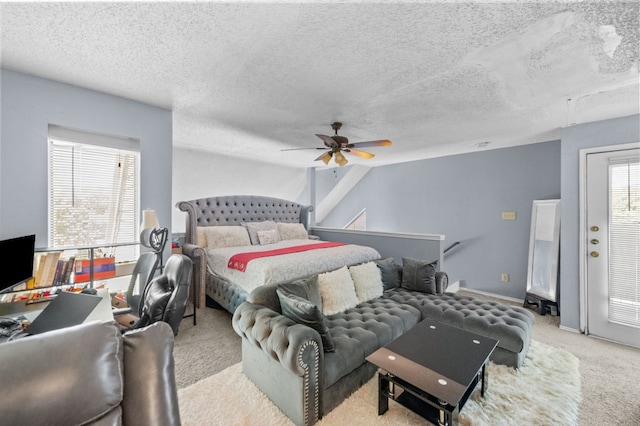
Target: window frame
<point x="65" y="135"/>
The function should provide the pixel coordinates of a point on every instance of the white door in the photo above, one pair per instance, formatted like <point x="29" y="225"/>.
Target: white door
<point x="613" y="245"/>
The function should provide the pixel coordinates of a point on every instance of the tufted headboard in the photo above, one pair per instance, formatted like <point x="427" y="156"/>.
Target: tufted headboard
<point x="235" y="209"/>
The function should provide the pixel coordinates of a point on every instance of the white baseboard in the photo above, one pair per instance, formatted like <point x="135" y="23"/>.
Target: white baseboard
<point x="497" y="296"/>
<point x="573" y="330"/>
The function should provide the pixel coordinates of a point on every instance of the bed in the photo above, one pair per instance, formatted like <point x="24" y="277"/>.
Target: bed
<point x="220" y="230"/>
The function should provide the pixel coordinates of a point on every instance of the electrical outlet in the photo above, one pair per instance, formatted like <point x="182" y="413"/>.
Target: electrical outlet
<point x="508" y="215"/>
<point x="505" y="278"/>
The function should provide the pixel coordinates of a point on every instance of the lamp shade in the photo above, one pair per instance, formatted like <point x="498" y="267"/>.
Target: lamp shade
<point x="326" y="157"/>
<point x="340" y="159"/>
<point x="149" y="220"/>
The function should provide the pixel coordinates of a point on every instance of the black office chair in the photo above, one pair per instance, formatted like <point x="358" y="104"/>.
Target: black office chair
<point x="146" y="266"/>
<point x="142" y="274"/>
<point x="165" y="298"/>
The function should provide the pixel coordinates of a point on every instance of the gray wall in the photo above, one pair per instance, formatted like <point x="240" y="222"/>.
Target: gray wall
<point x="602" y="133"/>
<point x="29" y="104"/>
<point x="462" y="197"/>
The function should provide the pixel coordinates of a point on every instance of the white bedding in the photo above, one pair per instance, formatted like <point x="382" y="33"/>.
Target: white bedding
<point x="286" y="267"/>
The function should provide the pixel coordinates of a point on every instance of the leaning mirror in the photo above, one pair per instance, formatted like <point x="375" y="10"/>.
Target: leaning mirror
<point x="544" y="249"/>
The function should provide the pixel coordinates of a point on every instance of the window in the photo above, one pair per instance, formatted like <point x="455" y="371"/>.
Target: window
<point x="93" y="191"/>
<point x="359" y="222"/>
<point x="624" y="242"/>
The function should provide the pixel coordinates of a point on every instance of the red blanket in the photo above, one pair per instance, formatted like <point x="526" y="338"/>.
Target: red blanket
<point x="239" y="261"/>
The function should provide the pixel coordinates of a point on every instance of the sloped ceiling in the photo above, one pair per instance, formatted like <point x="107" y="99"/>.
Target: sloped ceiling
<point x="250" y="79"/>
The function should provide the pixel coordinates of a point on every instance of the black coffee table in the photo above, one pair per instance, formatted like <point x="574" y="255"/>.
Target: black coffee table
<point x="436" y="367"/>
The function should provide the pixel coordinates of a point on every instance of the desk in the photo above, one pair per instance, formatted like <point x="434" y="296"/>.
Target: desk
<point x="67" y="309"/>
<point x="14" y="309"/>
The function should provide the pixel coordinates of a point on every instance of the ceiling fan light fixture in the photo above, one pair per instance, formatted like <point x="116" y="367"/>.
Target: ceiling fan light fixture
<point x="340" y="159"/>
<point x="326" y="158"/>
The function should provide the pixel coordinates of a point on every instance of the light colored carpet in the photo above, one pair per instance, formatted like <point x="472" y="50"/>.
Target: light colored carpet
<point x="545" y="391"/>
<point x="207" y="348"/>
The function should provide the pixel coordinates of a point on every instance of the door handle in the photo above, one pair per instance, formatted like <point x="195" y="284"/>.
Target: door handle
<point x="595" y="254"/>
<point x="594" y="241"/>
<point x="595" y="228"/>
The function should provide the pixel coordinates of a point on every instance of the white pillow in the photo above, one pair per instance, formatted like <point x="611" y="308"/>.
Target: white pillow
<point x="292" y="231"/>
<point x="337" y="291"/>
<point x="226" y="236"/>
<point x="367" y="281"/>
<point x="268" y="237"/>
<point x="254" y="227"/>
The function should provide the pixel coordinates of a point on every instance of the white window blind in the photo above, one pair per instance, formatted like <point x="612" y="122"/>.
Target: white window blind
<point x="93" y="191"/>
<point x="624" y="242"/>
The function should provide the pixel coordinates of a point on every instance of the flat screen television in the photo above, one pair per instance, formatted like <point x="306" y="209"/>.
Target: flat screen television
<point x="17" y="260"/>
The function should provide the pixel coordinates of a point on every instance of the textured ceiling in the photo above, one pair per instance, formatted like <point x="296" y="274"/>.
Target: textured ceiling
<point x="250" y="79"/>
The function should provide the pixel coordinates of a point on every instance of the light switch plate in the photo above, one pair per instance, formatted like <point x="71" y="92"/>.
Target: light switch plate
<point x="508" y="215"/>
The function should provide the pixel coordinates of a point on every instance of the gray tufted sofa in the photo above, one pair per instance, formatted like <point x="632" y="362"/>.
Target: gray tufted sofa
<point x="510" y="325"/>
<point x="287" y="362"/>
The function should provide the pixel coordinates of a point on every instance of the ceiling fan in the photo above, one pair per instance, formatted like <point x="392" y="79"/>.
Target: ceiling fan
<point x="338" y="144"/>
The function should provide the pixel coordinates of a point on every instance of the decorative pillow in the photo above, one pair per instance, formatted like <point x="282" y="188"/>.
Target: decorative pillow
<point x="367" y="281"/>
<point x="254" y="227"/>
<point x="268" y="237"/>
<point x="419" y="275"/>
<point x="292" y="231"/>
<point x="265" y="295"/>
<point x="306" y="313"/>
<point x="226" y="236"/>
<point x="388" y="273"/>
<point x="306" y="288"/>
<point x="337" y="291"/>
<point x="201" y="238"/>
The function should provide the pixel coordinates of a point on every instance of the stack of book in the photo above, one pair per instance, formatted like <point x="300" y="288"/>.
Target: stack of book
<point x="51" y="270"/>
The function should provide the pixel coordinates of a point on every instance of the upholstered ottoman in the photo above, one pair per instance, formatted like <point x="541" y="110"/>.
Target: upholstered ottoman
<point x="510" y="325"/>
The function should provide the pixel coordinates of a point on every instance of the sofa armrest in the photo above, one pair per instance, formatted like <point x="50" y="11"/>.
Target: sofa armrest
<point x="68" y="376"/>
<point x="279" y="337"/>
<point x="150" y="391"/>
<point x="442" y="282"/>
<point x="199" y="259"/>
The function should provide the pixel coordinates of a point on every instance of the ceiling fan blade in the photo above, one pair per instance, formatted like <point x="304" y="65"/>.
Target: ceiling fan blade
<point x="328" y="140"/>
<point x="326" y="157"/>
<point x="361" y="154"/>
<point x="381" y="142"/>
<point x="296" y="149"/>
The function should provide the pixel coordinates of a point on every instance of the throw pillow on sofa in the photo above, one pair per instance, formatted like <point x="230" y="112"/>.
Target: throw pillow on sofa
<point x="388" y="273"/>
<point x="367" y="281"/>
<point x="419" y="275"/>
<point x="307" y="288"/>
<point x="306" y="313"/>
<point x="337" y="291"/>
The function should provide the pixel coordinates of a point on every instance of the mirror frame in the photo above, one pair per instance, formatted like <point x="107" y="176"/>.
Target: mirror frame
<point x="550" y="291"/>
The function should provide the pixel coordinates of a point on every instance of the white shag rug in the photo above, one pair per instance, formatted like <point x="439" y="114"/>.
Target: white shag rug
<point x="544" y="391"/>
